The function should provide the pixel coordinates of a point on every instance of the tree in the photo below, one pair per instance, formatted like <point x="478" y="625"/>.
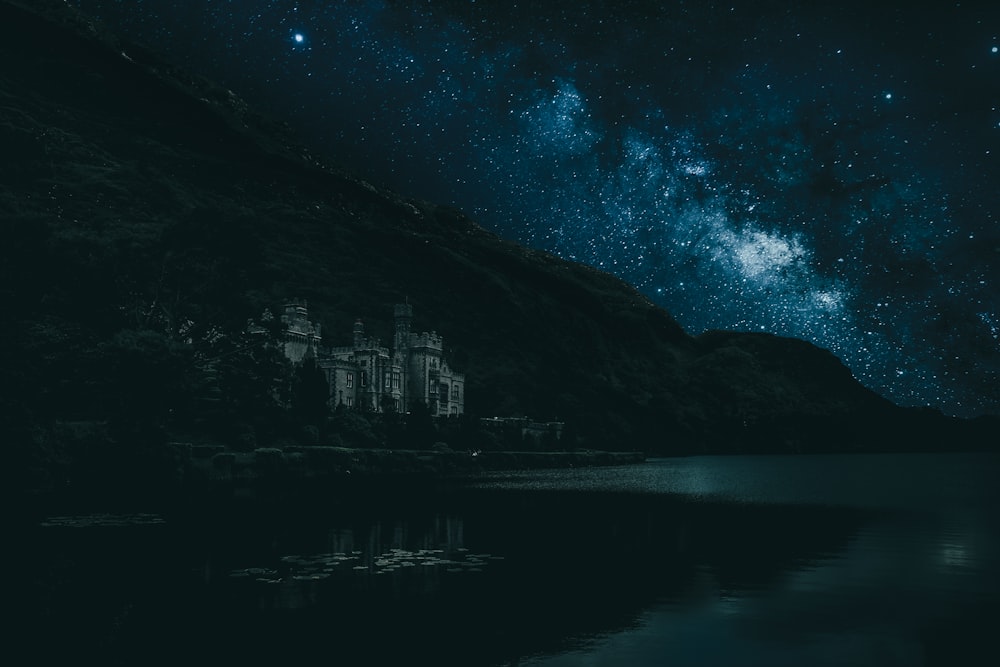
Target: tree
<point x="145" y="375"/>
<point x="244" y="388"/>
<point x="310" y="395"/>
<point x="420" y="430"/>
<point x="354" y="428"/>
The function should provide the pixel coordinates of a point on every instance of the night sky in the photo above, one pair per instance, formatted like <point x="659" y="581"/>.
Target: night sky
<point x="827" y="171"/>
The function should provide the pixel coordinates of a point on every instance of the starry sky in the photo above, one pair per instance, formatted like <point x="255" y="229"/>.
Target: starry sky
<point x="822" y="170"/>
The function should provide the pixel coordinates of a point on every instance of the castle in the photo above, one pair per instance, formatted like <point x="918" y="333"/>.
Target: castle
<point x="368" y="376"/>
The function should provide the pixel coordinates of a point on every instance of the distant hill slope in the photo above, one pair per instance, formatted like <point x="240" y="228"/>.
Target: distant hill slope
<point x="140" y="203"/>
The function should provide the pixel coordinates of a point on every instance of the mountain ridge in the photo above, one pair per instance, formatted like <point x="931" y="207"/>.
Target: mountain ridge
<point x="145" y="207"/>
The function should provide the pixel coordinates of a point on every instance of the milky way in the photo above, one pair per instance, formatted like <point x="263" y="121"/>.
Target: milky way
<point x="826" y="172"/>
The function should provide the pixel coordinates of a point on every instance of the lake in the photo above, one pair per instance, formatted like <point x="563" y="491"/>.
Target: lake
<point x="771" y="560"/>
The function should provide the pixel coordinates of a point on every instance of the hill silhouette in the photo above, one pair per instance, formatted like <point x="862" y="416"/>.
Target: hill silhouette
<point x="148" y="214"/>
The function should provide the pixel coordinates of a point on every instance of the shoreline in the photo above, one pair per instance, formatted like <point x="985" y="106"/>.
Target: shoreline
<point x="210" y="476"/>
<point x="324" y="465"/>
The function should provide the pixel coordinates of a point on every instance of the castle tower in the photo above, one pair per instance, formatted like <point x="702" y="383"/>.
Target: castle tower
<point x="300" y="334"/>
<point x="403" y="315"/>
<point x="359" y="334"/>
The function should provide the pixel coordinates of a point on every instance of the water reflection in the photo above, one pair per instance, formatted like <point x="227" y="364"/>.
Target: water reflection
<point x="591" y="564"/>
<point x="914" y="578"/>
<point x="409" y="563"/>
<point x="549" y="568"/>
<point x="908" y="482"/>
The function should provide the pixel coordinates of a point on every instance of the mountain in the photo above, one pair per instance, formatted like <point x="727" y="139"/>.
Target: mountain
<point x="148" y="214"/>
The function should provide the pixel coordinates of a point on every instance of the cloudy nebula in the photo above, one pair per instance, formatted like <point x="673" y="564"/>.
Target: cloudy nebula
<point x="820" y="170"/>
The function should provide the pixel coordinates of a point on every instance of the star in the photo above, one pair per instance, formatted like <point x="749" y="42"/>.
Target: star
<point x="299" y="37"/>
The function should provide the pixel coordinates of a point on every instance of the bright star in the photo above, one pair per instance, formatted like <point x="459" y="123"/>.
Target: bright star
<point x="299" y="38"/>
<point x="995" y="49"/>
<point x="888" y="96"/>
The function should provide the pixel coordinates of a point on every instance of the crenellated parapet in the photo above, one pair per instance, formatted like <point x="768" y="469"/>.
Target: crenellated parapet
<point x="430" y="341"/>
<point x="296" y="320"/>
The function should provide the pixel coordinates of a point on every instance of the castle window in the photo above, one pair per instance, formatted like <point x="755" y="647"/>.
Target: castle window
<point x="388" y="378"/>
<point x="364" y="378"/>
<point x="454" y="392"/>
<point x="350" y="380"/>
<point x="350" y="401"/>
<point x="396" y="380"/>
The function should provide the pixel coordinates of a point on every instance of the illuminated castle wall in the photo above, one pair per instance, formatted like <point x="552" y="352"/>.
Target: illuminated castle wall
<point x="369" y="376"/>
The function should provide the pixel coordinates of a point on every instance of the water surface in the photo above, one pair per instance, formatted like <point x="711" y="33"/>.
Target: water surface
<point x="825" y="560"/>
<point x="819" y="560"/>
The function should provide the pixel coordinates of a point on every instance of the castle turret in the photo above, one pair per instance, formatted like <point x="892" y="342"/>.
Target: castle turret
<point x="359" y="334"/>
<point x="403" y="314"/>
<point x="300" y="334"/>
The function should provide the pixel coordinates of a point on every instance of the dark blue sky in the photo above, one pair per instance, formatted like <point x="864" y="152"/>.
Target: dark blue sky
<point x="821" y="170"/>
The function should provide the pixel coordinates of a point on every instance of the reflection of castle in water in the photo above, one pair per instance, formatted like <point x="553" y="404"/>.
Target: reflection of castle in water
<point x="372" y="377"/>
<point x="442" y="534"/>
<point x="397" y="557"/>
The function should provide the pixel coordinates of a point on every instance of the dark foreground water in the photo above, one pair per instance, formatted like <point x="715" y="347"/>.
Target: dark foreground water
<point x="825" y="560"/>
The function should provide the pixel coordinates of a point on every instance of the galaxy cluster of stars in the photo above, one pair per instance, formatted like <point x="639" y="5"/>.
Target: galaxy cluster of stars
<point x="820" y="170"/>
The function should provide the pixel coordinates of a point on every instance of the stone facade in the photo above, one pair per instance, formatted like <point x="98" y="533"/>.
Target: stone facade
<point x="368" y="376"/>
<point x="301" y="335"/>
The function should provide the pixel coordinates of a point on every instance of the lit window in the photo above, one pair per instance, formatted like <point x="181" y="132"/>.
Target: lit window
<point x="350" y="401"/>
<point x="350" y="380"/>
